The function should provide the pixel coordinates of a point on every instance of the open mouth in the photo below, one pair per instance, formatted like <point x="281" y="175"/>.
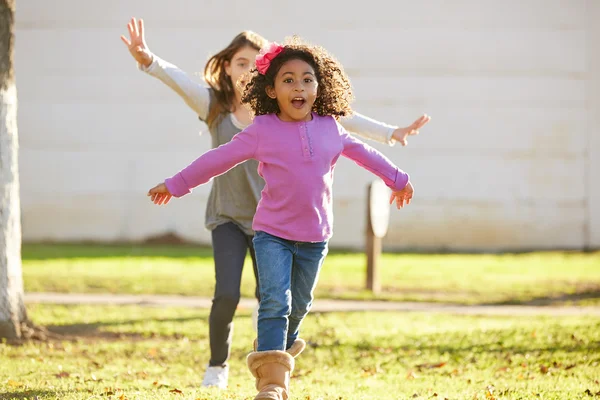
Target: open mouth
<point x="298" y="102"/>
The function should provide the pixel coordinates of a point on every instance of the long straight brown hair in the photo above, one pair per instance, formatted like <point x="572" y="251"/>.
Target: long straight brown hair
<point x="216" y="77"/>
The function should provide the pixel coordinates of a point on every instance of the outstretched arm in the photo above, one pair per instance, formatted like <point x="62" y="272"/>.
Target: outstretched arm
<point x="209" y="165"/>
<point x="369" y="128"/>
<point x="195" y="95"/>
<point x="375" y="162"/>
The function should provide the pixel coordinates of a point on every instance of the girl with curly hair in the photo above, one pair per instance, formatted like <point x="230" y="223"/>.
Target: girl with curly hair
<point x="234" y="195"/>
<point x="296" y="92"/>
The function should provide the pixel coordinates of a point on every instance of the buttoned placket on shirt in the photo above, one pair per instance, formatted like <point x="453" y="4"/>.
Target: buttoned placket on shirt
<point x="307" y="149"/>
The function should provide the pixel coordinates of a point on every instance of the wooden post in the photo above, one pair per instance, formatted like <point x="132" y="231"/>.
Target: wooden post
<point x="378" y="214"/>
<point x="373" y="255"/>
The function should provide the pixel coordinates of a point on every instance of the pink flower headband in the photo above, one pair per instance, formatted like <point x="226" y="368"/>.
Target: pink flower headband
<point x="266" y="55"/>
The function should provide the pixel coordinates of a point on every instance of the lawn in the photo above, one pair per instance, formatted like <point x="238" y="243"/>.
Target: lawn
<point x="534" y="278"/>
<point x="134" y="352"/>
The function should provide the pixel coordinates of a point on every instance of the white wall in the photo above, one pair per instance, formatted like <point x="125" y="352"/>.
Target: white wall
<point x="509" y="161"/>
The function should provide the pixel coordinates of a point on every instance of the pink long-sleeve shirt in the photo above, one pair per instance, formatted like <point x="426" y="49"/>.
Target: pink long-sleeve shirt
<point x="296" y="160"/>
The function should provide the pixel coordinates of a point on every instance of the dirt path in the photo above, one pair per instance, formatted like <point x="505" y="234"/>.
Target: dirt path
<point x="320" y="305"/>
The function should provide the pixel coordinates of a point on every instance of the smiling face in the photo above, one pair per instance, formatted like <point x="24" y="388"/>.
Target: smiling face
<point x="241" y="62"/>
<point x="295" y="89"/>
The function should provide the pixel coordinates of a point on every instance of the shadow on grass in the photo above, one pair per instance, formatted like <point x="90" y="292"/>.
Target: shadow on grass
<point x="94" y="330"/>
<point x="498" y="347"/>
<point x="591" y="293"/>
<point x="434" y="344"/>
<point x="27" y="394"/>
<point x="48" y="251"/>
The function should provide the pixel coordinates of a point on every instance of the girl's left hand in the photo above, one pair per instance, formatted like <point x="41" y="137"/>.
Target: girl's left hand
<point x="159" y="194"/>
<point x="402" y="197"/>
<point x="401" y="134"/>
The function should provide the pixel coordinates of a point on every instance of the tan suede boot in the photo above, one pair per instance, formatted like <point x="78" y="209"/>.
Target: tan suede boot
<point x="297" y="348"/>
<point x="272" y="370"/>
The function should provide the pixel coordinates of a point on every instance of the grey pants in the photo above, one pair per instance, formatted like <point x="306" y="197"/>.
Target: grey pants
<point x="230" y="246"/>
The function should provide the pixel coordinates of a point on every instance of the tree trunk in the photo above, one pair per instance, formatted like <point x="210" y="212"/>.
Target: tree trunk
<point x="12" y="308"/>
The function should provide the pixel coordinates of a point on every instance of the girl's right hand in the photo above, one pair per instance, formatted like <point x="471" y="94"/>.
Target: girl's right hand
<point x="137" y="44"/>
<point x="159" y="194"/>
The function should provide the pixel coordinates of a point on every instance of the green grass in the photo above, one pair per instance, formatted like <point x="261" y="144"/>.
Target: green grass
<point x="147" y="353"/>
<point x="538" y="278"/>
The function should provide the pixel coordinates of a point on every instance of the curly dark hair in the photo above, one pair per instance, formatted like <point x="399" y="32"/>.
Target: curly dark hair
<point x="335" y="91"/>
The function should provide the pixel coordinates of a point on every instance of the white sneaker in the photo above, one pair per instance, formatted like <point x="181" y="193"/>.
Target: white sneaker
<point x="216" y="377"/>
<point x="255" y="318"/>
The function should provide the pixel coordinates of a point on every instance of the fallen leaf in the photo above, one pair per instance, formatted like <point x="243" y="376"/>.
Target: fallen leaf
<point x="176" y="391"/>
<point x="152" y="352"/>
<point x="568" y="367"/>
<point x="63" y="374"/>
<point x="384" y="350"/>
<point x="14" y="384"/>
<point x="302" y="372"/>
<point x="431" y="366"/>
<point x="411" y="375"/>
<point x="543" y="369"/>
<point x="489" y="393"/>
<point x="369" y="371"/>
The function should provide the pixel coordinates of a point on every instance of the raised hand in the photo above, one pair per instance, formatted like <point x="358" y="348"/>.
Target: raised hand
<point x="402" y="197"/>
<point x="137" y="43"/>
<point x="401" y="134"/>
<point x="159" y="194"/>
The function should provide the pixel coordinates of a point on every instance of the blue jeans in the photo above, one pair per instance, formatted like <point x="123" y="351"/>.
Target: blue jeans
<point x="287" y="274"/>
